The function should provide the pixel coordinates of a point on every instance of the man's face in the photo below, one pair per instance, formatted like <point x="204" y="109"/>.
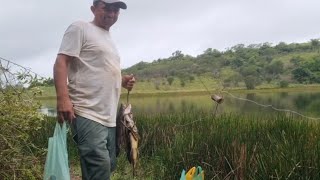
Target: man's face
<point x="105" y="14"/>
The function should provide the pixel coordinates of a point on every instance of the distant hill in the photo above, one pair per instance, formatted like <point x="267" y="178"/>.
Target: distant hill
<point x="239" y="65"/>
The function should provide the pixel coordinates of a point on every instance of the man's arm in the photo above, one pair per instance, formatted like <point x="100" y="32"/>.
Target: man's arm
<point x="60" y="74"/>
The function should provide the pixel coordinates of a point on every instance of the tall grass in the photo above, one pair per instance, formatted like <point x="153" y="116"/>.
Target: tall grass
<point x="230" y="146"/>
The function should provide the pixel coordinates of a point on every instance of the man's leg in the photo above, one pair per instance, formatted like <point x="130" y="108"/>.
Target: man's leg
<point x="111" y="146"/>
<point x="92" y="139"/>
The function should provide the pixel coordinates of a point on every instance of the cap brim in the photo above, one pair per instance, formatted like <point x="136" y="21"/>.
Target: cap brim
<point x="120" y="4"/>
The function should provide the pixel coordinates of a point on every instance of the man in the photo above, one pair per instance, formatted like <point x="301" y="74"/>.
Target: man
<point x="89" y="62"/>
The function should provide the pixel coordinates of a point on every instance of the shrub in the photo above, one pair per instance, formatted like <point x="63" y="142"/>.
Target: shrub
<point x="20" y="124"/>
<point x="284" y="84"/>
<point x="250" y="82"/>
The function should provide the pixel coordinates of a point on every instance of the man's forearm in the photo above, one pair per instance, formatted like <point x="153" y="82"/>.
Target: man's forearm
<point x="60" y="75"/>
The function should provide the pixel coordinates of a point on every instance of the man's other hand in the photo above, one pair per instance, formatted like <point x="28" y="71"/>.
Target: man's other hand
<point x="128" y="82"/>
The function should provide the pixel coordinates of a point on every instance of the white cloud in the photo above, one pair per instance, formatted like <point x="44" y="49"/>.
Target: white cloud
<point x="32" y="31"/>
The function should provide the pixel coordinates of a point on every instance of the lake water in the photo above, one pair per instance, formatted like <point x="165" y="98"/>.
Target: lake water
<point x="306" y="103"/>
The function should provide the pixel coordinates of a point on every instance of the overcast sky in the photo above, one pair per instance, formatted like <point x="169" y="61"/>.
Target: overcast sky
<point x="31" y="32"/>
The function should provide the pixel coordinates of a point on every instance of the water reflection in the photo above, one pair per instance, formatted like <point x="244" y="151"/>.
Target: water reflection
<point x="48" y="111"/>
<point x="305" y="103"/>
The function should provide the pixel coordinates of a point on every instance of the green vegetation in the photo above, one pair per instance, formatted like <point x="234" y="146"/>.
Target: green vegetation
<point x="21" y="124"/>
<point x="239" y="66"/>
<point x="228" y="146"/>
<point x="256" y="66"/>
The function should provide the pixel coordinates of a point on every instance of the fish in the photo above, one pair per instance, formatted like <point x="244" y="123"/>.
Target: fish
<point x="127" y="135"/>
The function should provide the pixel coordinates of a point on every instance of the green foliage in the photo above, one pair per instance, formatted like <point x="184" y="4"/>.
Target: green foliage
<point x="275" y="68"/>
<point x="284" y="84"/>
<point x="20" y="123"/>
<point x="296" y="60"/>
<point x="249" y="71"/>
<point x="314" y="64"/>
<point x="233" y="80"/>
<point x="315" y="43"/>
<point x="191" y="78"/>
<point x="41" y="82"/>
<point x="177" y="55"/>
<point x="282" y="47"/>
<point x="250" y="81"/>
<point x="302" y="75"/>
<point x="230" y="146"/>
<point x="157" y="84"/>
<point x="268" y="78"/>
<point x="182" y="82"/>
<point x="170" y="80"/>
<point x="265" y="61"/>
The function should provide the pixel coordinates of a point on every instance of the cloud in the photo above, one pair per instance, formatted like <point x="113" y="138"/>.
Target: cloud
<point x="31" y="32"/>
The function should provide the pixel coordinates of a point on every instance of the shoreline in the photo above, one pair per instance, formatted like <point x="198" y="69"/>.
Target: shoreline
<point x="307" y="88"/>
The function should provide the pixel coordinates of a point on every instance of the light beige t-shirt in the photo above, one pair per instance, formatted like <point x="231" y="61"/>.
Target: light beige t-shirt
<point x="94" y="74"/>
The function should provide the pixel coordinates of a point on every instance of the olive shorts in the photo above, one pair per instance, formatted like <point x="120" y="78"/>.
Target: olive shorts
<point x="97" y="148"/>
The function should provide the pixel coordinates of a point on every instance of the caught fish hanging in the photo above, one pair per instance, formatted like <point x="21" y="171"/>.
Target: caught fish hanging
<point x="127" y="134"/>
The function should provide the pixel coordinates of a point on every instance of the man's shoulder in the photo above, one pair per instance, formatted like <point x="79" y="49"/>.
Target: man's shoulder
<point x="79" y="24"/>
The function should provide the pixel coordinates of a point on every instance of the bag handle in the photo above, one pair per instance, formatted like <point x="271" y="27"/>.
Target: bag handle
<point x="61" y="132"/>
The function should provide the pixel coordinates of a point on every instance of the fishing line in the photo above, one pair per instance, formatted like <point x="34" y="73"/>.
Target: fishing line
<point x="5" y="69"/>
<point x="25" y="68"/>
<point x="205" y="86"/>
<point x="215" y="111"/>
<point x="272" y="107"/>
<point x="258" y="104"/>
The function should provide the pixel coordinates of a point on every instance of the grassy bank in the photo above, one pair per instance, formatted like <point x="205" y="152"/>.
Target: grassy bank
<point x="232" y="146"/>
<point x="228" y="146"/>
<point x="142" y="89"/>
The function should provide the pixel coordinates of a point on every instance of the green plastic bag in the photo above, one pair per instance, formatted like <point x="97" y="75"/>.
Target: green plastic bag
<point x="57" y="167"/>
<point x="193" y="174"/>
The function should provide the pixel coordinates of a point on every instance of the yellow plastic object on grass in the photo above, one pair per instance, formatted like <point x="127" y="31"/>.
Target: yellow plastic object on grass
<point x="193" y="174"/>
<point x="57" y="167"/>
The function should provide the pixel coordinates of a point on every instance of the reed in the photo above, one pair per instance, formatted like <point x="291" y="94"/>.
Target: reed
<point x="232" y="146"/>
<point x="229" y="146"/>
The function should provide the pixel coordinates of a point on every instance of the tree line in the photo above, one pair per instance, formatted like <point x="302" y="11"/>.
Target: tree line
<point x="253" y="64"/>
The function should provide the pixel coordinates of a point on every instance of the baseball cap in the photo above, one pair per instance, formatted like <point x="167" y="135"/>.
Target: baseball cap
<point x="120" y="4"/>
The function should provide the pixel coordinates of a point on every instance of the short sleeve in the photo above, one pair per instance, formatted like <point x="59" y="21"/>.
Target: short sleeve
<point x="72" y="40"/>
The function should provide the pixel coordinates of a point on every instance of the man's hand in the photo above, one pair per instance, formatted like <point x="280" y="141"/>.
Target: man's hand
<point x="128" y="82"/>
<point x="65" y="110"/>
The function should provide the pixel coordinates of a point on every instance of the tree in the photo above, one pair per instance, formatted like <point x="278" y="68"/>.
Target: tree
<point x="315" y="44"/>
<point x="170" y="80"/>
<point x="296" y="60"/>
<point x="283" y="47"/>
<point x="283" y="84"/>
<point x="267" y="50"/>
<point x="177" y="55"/>
<point x="275" y="68"/>
<point x="302" y="75"/>
<point x="249" y="71"/>
<point x="233" y="79"/>
<point x="250" y="81"/>
<point x="191" y="78"/>
<point x="182" y="82"/>
<point x="157" y="84"/>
